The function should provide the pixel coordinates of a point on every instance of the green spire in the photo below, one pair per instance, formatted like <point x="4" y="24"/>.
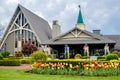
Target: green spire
<point x="80" y="19"/>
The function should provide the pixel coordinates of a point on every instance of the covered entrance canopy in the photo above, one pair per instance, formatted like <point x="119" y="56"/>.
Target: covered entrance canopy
<point x="76" y="39"/>
<point x="94" y="49"/>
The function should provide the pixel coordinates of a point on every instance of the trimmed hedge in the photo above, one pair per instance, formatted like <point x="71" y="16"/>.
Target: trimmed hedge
<point x="10" y="62"/>
<point x="13" y="57"/>
<point x="100" y="57"/>
<point x="112" y="57"/>
<point x="26" y="61"/>
<point x="85" y="57"/>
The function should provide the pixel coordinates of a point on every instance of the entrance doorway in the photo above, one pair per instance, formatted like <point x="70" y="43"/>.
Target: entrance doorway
<point x="76" y="49"/>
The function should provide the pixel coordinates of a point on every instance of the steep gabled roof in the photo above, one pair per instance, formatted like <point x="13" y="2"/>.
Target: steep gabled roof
<point x="40" y="26"/>
<point x="94" y="38"/>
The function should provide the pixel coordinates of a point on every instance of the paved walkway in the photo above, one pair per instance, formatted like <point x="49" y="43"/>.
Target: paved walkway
<point x="22" y="66"/>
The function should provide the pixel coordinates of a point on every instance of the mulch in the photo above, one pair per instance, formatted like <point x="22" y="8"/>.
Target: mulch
<point x="22" y="66"/>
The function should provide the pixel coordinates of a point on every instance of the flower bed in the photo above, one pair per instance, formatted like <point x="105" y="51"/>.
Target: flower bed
<point x="105" y="65"/>
<point x="109" y="68"/>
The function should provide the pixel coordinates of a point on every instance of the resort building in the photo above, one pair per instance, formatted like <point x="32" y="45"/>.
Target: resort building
<point x="27" y="26"/>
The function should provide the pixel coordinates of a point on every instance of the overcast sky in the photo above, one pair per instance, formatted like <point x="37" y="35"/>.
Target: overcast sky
<point x="97" y="14"/>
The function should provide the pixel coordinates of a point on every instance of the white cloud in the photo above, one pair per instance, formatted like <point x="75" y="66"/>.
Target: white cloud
<point x="12" y="1"/>
<point x="40" y="14"/>
<point x="1" y="10"/>
<point x="96" y="14"/>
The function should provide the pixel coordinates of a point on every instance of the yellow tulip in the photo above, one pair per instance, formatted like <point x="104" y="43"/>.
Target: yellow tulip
<point x="70" y="65"/>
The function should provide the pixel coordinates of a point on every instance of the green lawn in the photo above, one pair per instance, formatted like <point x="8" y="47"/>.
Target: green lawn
<point x="14" y="74"/>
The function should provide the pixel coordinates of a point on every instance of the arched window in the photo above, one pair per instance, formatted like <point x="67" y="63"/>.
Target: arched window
<point x="22" y="30"/>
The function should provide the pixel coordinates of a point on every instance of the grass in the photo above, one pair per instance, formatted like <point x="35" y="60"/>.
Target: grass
<point x="14" y="74"/>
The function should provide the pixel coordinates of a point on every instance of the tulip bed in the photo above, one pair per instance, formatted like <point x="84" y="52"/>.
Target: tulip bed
<point x="83" y="68"/>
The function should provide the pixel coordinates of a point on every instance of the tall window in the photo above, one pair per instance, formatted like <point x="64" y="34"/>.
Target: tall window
<point x="22" y="30"/>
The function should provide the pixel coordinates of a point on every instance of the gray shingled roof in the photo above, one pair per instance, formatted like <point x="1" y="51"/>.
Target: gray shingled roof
<point x="40" y="26"/>
<point x="115" y="38"/>
<point x="99" y="39"/>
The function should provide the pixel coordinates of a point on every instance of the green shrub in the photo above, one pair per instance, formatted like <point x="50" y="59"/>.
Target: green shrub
<point x="1" y="57"/>
<point x="18" y="54"/>
<point x="39" y="55"/>
<point x="5" y="54"/>
<point x="77" y="56"/>
<point x="112" y="57"/>
<point x="10" y="62"/>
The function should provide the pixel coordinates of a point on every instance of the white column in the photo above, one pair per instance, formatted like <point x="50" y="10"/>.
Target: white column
<point x="106" y="49"/>
<point x="44" y="47"/>
<point x="48" y="50"/>
<point x="19" y="45"/>
<point x="86" y="49"/>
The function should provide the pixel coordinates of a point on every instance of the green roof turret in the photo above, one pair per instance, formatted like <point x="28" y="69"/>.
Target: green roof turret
<point x="80" y="19"/>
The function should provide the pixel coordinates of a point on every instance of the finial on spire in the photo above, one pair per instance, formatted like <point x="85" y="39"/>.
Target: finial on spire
<point x="80" y="23"/>
<point x="79" y="6"/>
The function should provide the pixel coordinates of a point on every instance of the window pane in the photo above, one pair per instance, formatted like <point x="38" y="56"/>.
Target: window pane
<point x="15" y="44"/>
<point x="28" y="35"/>
<point x="22" y="19"/>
